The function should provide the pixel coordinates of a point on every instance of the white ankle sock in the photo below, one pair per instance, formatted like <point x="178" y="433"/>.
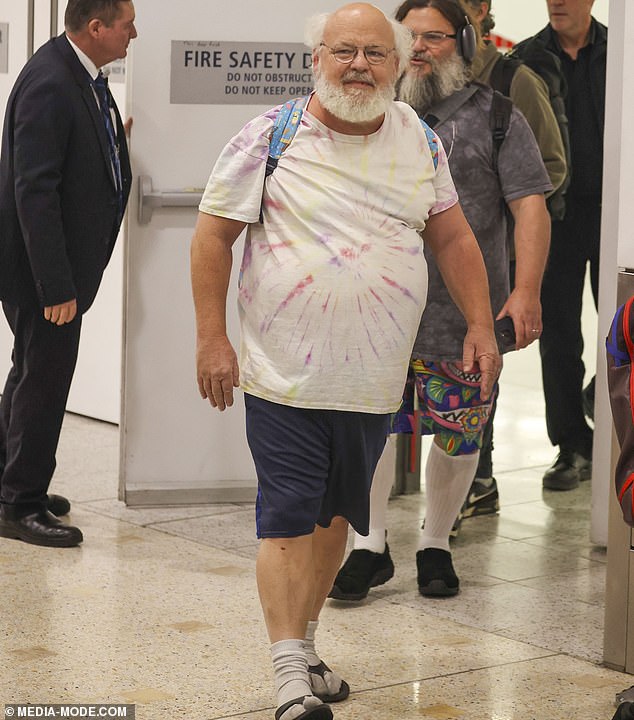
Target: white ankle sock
<point x="309" y="643"/>
<point x="447" y="482"/>
<point x="379" y="496"/>
<point x="291" y="670"/>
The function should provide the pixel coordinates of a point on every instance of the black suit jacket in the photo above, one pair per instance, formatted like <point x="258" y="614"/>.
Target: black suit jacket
<point x="58" y="201"/>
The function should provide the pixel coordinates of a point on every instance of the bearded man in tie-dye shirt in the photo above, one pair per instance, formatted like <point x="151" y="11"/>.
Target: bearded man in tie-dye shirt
<point x="333" y="284"/>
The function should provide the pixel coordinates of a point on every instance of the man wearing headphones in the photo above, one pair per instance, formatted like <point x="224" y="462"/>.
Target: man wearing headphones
<point x="530" y="94"/>
<point x="491" y="180"/>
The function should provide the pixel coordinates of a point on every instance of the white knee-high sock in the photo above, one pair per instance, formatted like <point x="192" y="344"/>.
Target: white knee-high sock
<point x="291" y="670"/>
<point x="447" y="482"/>
<point x="379" y="495"/>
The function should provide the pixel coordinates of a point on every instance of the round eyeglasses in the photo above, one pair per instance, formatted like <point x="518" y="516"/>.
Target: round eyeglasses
<point x="374" y="54"/>
<point x="433" y="37"/>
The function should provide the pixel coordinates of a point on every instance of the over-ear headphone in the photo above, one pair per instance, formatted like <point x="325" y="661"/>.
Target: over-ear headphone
<point x="466" y="41"/>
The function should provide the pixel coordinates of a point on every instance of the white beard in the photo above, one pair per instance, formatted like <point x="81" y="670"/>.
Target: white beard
<point x="355" y="105"/>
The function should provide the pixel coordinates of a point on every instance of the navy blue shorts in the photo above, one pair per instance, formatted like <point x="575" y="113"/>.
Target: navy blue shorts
<point x="312" y="465"/>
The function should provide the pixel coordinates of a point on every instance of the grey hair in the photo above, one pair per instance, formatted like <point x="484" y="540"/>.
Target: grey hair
<point x="315" y="26"/>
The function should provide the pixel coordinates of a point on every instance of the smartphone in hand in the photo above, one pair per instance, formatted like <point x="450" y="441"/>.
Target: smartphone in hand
<point x="505" y="334"/>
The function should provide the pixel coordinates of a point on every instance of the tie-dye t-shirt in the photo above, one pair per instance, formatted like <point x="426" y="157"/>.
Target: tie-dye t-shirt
<point x="333" y="283"/>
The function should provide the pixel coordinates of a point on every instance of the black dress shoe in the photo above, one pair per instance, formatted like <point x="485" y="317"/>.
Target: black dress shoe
<point x="58" y="505"/>
<point x="567" y="471"/>
<point x="39" y="528"/>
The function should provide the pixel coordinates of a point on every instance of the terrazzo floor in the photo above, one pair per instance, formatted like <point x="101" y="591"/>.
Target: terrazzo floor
<point x="159" y="607"/>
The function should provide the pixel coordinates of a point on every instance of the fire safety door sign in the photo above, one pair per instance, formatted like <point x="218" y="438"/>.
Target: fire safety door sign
<point x="238" y="73"/>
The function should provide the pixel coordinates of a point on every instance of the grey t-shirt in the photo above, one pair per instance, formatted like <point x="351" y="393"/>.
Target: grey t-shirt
<point x="483" y="193"/>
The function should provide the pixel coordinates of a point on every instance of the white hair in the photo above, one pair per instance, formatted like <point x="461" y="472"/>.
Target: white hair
<point x="314" y="30"/>
<point x="403" y="42"/>
<point x="315" y="26"/>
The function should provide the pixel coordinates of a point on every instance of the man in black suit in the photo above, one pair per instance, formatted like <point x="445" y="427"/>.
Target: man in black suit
<point x="64" y="183"/>
<point x="577" y="43"/>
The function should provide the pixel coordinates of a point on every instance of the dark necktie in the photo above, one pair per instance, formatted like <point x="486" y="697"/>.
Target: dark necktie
<point x="101" y="88"/>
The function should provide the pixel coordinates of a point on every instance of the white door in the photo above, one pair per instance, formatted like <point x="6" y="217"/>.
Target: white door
<point x="96" y="387"/>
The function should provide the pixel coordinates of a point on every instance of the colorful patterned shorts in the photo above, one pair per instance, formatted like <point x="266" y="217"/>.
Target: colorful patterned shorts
<point x="449" y="406"/>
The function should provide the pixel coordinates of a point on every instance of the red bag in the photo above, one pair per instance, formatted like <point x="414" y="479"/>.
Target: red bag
<point x="620" y="357"/>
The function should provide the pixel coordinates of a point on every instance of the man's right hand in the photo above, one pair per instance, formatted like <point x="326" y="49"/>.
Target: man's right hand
<point x="218" y="372"/>
<point x="480" y="348"/>
<point x="61" y="314"/>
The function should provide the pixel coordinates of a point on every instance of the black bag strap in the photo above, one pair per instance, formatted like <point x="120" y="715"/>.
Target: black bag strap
<point x="443" y="110"/>
<point x="499" y="121"/>
<point x="503" y="73"/>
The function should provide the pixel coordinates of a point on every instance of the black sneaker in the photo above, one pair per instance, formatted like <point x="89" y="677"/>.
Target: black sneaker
<point x="362" y="570"/>
<point x="568" y="470"/>
<point x="436" y="576"/>
<point x="482" y="499"/>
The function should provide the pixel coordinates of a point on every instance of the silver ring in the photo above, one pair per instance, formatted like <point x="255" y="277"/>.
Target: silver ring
<point x="535" y="330"/>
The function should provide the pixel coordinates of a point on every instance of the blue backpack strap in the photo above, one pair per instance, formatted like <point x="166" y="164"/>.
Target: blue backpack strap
<point x="432" y="141"/>
<point x="284" y="129"/>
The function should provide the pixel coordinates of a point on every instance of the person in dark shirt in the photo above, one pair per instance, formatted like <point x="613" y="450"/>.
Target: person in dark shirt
<point x="512" y="182"/>
<point x="579" y="43"/>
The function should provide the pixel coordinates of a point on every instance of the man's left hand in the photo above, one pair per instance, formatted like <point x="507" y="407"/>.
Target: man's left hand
<point x="524" y="308"/>
<point x="61" y="314"/>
